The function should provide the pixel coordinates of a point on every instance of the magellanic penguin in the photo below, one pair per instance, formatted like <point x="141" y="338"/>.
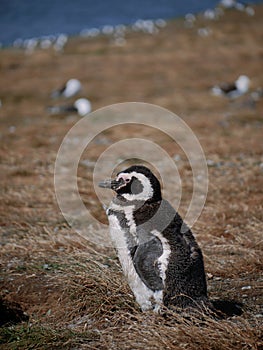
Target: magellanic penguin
<point x="158" y="252"/>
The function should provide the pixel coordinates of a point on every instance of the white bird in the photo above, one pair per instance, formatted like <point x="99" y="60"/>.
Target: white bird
<point x="238" y="5"/>
<point x="228" y="3"/>
<point x="70" y="89"/>
<point x="232" y="90"/>
<point x="82" y="106"/>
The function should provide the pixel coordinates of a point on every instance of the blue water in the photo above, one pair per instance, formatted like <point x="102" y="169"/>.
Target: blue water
<point x="35" y="18"/>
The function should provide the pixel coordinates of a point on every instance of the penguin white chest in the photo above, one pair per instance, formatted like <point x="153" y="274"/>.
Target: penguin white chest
<point x="121" y="237"/>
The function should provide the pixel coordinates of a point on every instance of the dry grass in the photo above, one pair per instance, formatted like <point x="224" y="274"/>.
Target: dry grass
<point x="72" y="289"/>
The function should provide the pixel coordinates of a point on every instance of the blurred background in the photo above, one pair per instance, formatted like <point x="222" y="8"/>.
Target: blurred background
<point x="30" y="19"/>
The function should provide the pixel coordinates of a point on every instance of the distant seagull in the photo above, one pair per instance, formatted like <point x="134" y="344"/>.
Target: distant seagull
<point x="238" y="5"/>
<point x="61" y="41"/>
<point x="82" y="106"/>
<point x="228" y="3"/>
<point x="232" y="90"/>
<point x="71" y="88"/>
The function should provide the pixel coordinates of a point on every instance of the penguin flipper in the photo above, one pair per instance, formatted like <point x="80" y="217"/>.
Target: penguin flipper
<point x="145" y="261"/>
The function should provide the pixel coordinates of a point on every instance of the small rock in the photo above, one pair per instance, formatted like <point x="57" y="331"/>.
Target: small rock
<point x="246" y="288"/>
<point x="12" y="129"/>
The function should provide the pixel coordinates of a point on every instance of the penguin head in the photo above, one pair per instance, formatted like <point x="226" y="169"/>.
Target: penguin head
<point x="137" y="183"/>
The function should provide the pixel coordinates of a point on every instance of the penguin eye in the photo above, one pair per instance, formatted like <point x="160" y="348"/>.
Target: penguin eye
<point x="127" y="180"/>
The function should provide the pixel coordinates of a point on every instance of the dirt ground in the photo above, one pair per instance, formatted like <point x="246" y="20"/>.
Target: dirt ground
<point x="68" y="292"/>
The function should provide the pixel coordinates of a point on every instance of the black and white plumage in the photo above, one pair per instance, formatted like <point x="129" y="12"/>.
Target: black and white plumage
<point x="70" y="89"/>
<point x="232" y="90"/>
<point x="158" y="253"/>
<point x="82" y="106"/>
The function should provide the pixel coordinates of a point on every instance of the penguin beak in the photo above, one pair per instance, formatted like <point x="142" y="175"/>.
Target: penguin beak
<point x="112" y="184"/>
